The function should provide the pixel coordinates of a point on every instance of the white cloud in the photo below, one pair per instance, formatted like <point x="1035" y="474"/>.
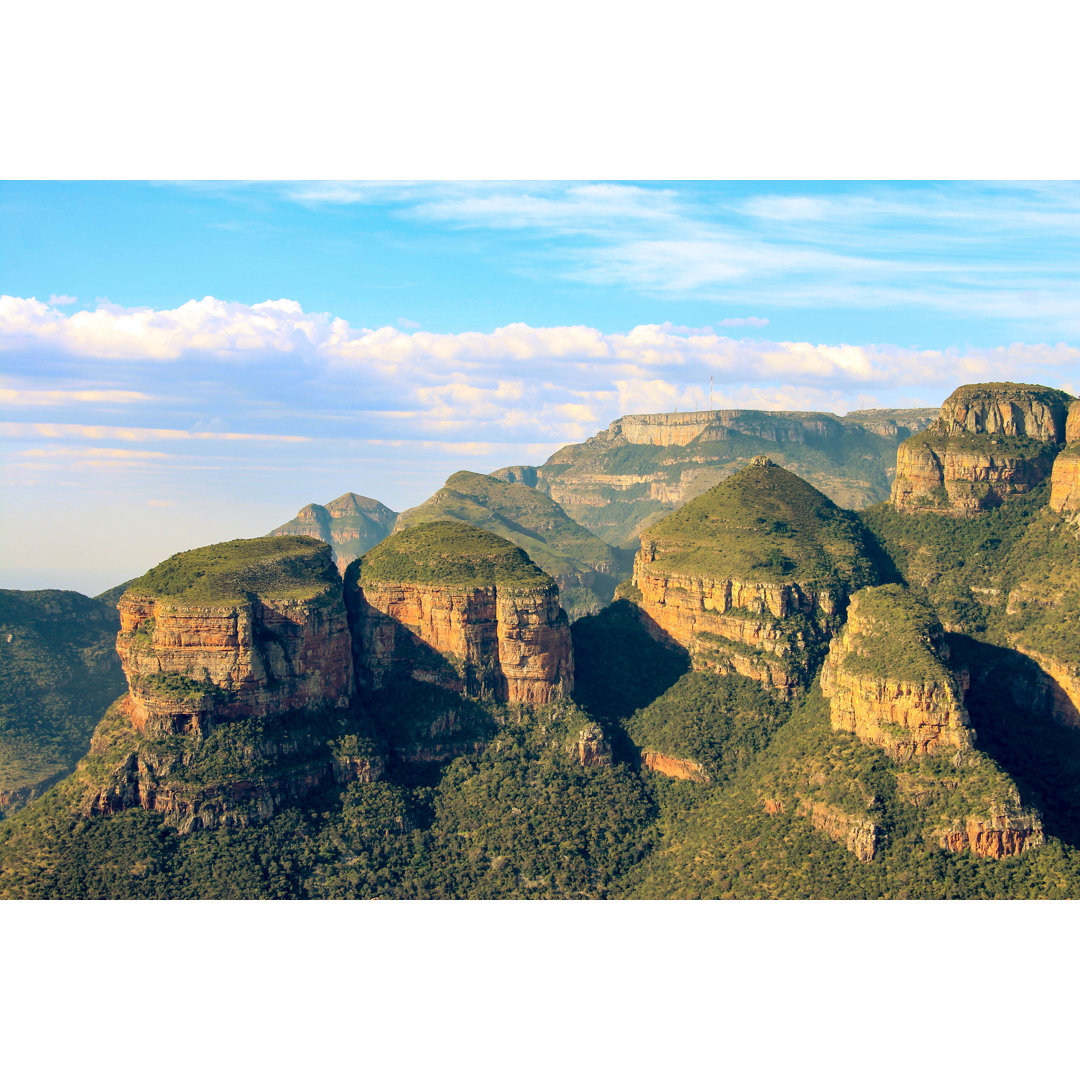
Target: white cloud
<point x="11" y="430"/>
<point x="10" y="395"/>
<point x="62" y="300"/>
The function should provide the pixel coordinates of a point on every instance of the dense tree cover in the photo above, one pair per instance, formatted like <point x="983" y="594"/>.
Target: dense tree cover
<point x="58" y="672"/>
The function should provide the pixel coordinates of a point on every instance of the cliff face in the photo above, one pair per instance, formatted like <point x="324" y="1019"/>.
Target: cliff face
<point x="676" y="768"/>
<point x="642" y="467"/>
<point x="510" y="648"/>
<point x="1039" y="412"/>
<point x="266" y="656"/>
<point x="584" y="567"/>
<point x="752" y="577"/>
<point x="239" y="663"/>
<point x="885" y="678"/>
<point x="991" y="441"/>
<point x="496" y="631"/>
<point x="351" y="524"/>
<point x="997" y="836"/>
<point x="736" y="626"/>
<point x="1065" y="482"/>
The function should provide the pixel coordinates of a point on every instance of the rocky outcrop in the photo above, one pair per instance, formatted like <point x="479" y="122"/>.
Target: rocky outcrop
<point x="1062" y="681"/>
<point x="643" y="466"/>
<point x="676" y="768"/>
<point x="736" y="627"/>
<point x="1038" y="412"/>
<point x="1065" y="482"/>
<point x="508" y="647"/>
<point x="742" y="588"/>
<point x="990" y="442"/>
<point x="446" y="603"/>
<point x="351" y="524"/>
<point x="190" y="665"/>
<point x="886" y="680"/>
<point x="963" y="477"/>
<point x="1072" y="423"/>
<point x="996" y="836"/>
<point x="591" y="747"/>
<point x="858" y="834"/>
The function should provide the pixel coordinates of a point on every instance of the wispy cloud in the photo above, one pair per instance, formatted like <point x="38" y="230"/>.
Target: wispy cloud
<point x="14" y="396"/>
<point x="12" y="430"/>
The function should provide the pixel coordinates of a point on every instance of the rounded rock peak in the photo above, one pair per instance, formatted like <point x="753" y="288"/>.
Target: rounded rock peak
<point x="762" y="461"/>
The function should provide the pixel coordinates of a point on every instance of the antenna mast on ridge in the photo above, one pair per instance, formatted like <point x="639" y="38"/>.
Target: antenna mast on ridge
<point x="710" y="393"/>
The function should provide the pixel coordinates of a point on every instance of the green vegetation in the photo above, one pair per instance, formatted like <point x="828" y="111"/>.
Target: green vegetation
<point x="1019" y="447"/>
<point x="282" y="567"/>
<point x="765" y="524"/>
<point x="455" y="554"/>
<point x="180" y="689"/>
<point x="960" y="565"/>
<point x="58" y="673"/>
<point x="719" y="721"/>
<point x="584" y="567"/>
<point x="902" y="642"/>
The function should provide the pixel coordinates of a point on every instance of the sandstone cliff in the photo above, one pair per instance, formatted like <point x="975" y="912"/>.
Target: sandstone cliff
<point x="351" y="525"/>
<point x="1065" y="482"/>
<point x="886" y="679"/>
<point x="458" y="607"/>
<point x="584" y="567"/>
<point x="192" y="658"/>
<point x="991" y="441"/>
<point x="642" y="467"/>
<point x="752" y="577"/>
<point x="239" y="663"/>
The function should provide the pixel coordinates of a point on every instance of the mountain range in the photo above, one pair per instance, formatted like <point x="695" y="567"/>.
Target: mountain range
<point x="715" y="654"/>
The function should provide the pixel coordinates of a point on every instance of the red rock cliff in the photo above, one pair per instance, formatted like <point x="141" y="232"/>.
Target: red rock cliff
<point x="903" y="713"/>
<point x="486" y="641"/>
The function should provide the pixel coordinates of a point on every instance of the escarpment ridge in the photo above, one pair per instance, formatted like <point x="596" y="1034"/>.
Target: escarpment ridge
<point x="991" y="441"/>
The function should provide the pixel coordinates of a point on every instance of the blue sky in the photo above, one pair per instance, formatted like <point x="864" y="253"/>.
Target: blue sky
<point x="184" y="363"/>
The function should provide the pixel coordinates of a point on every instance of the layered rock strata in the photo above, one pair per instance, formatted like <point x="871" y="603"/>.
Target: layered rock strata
<point x="991" y="441"/>
<point x="886" y="679"/>
<point x="496" y="631"/>
<point x="857" y="834"/>
<point x="189" y="665"/>
<point x="240" y="670"/>
<point x="1065" y="482"/>
<point x="707" y="577"/>
<point x="996" y="836"/>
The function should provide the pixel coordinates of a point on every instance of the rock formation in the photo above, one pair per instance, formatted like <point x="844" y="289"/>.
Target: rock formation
<point x="239" y="662"/>
<point x="996" y="836"/>
<point x="991" y="441"/>
<point x="642" y="467"/>
<point x="450" y="604"/>
<point x="676" y="768"/>
<point x="584" y="567"/>
<point x="1065" y="482"/>
<point x="193" y="658"/>
<point x="886" y="679"/>
<point x="753" y="576"/>
<point x="351" y="525"/>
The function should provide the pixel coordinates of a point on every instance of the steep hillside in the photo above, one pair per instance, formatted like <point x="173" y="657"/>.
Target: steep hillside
<point x="351" y="525"/>
<point x="753" y="576"/>
<point x="642" y="467"/>
<point x="585" y="568"/>
<point x="58" y="673"/>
